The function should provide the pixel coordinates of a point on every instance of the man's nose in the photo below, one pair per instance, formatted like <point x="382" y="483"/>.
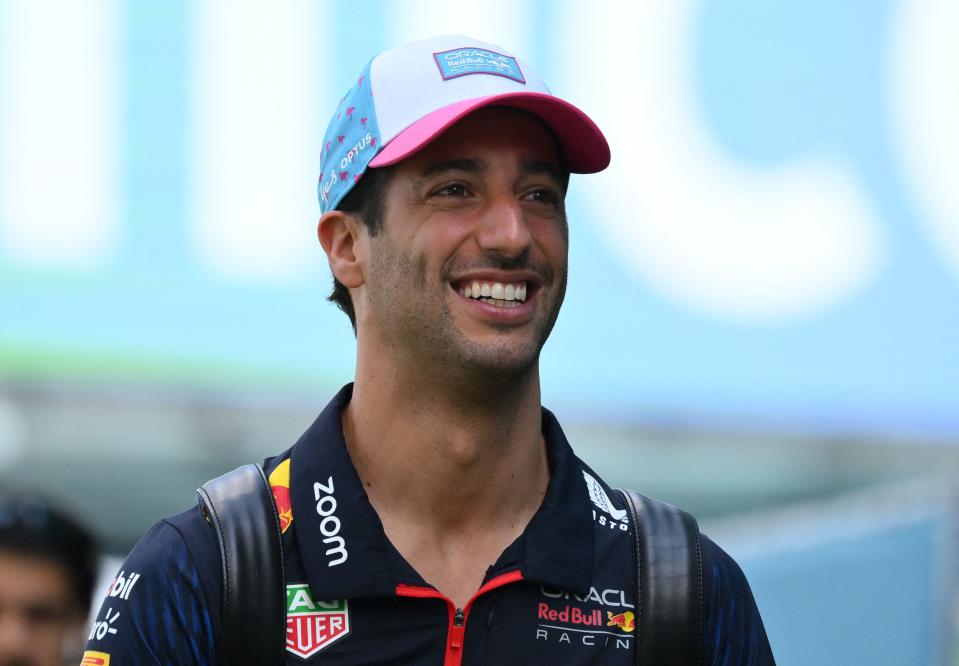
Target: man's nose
<point x="504" y="228"/>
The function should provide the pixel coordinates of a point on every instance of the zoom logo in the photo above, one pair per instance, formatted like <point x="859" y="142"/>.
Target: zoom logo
<point x="329" y="523"/>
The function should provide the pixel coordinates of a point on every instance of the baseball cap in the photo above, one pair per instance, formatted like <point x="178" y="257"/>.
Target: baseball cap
<point x="407" y="96"/>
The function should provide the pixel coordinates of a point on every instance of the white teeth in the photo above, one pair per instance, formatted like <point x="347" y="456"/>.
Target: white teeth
<point x="501" y="303"/>
<point x="496" y="292"/>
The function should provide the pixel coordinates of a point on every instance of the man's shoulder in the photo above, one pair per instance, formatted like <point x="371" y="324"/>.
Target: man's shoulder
<point x="734" y="632"/>
<point x="197" y="537"/>
<point x="182" y="535"/>
<point x="182" y="545"/>
<point x="166" y="587"/>
<point x="191" y="531"/>
<point x="719" y="564"/>
<point x="186" y="541"/>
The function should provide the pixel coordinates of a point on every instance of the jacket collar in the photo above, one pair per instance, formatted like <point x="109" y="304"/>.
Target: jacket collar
<point x="345" y="551"/>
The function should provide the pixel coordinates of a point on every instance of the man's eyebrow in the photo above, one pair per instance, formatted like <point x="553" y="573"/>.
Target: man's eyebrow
<point x="539" y="166"/>
<point x="462" y="164"/>
<point x="472" y="165"/>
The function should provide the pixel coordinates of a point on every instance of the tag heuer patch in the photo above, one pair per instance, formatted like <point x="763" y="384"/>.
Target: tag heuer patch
<point x="312" y="625"/>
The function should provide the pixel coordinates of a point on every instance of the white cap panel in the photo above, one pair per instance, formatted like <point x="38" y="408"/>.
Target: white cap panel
<point x="408" y="83"/>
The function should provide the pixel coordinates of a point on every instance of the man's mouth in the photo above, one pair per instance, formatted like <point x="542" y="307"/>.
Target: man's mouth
<point x="500" y="294"/>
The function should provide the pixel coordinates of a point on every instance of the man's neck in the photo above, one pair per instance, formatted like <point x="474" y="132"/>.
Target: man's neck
<point x="435" y="456"/>
<point x="455" y="466"/>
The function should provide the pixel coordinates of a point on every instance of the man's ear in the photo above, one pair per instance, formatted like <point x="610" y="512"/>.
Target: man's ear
<point x="342" y="237"/>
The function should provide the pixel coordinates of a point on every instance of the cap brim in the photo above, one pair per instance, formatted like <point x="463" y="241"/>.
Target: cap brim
<point x="584" y="147"/>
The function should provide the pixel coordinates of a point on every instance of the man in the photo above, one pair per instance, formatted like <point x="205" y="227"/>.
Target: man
<point x="48" y="564"/>
<point x="434" y="512"/>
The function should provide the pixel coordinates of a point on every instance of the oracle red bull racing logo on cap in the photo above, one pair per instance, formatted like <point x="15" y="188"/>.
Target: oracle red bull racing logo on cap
<point x="313" y="625"/>
<point x="471" y="60"/>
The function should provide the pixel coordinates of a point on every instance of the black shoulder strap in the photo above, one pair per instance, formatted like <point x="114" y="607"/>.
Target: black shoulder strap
<point x="669" y="581"/>
<point x="239" y="506"/>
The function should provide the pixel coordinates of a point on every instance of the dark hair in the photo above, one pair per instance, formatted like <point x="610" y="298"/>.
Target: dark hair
<point x="30" y="526"/>
<point x="366" y="201"/>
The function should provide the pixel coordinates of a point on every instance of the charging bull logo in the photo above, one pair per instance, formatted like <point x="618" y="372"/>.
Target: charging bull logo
<point x="625" y="621"/>
<point x="280" y="486"/>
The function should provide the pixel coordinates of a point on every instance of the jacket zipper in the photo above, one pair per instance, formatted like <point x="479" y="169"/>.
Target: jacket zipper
<point x="456" y="631"/>
<point x="455" y="636"/>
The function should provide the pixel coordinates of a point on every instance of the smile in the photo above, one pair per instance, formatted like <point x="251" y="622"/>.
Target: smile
<point x="508" y="295"/>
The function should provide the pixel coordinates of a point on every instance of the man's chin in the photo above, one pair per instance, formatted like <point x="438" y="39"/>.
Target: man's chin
<point x="500" y="360"/>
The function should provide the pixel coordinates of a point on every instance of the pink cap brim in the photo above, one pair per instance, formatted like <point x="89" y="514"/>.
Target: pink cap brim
<point x="584" y="146"/>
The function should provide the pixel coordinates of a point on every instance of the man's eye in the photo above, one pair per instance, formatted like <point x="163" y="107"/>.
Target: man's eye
<point x="454" y="191"/>
<point x="544" y="196"/>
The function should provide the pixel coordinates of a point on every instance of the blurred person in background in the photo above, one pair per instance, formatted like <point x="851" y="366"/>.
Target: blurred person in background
<point x="48" y="565"/>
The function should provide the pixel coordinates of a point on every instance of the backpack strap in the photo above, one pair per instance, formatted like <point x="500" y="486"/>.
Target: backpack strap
<point x="670" y="622"/>
<point x="239" y="505"/>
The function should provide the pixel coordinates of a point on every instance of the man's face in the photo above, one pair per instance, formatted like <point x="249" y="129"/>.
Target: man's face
<point x="469" y="269"/>
<point x="37" y="611"/>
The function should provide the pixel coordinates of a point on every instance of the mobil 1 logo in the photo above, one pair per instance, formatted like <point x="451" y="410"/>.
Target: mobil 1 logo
<point x="122" y="585"/>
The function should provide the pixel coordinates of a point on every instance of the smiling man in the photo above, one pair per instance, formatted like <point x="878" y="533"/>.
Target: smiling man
<point x="435" y="513"/>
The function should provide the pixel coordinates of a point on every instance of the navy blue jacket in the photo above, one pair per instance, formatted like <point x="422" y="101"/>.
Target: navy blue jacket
<point x="560" y="594"/>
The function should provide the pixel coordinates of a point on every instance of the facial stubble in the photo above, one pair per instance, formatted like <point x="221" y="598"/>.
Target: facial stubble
<point x="412" y="308"/>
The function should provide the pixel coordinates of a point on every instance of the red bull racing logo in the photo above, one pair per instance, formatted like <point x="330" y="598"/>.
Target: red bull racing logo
<point x="313" y="625"/>
<point x="585" y="621"/>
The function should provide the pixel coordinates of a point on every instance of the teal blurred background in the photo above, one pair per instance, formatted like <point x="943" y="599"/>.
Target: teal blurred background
<point x="762" y="323"/>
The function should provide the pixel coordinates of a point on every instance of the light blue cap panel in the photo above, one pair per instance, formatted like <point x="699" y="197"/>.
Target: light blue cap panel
<point x="352" y="139"/>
